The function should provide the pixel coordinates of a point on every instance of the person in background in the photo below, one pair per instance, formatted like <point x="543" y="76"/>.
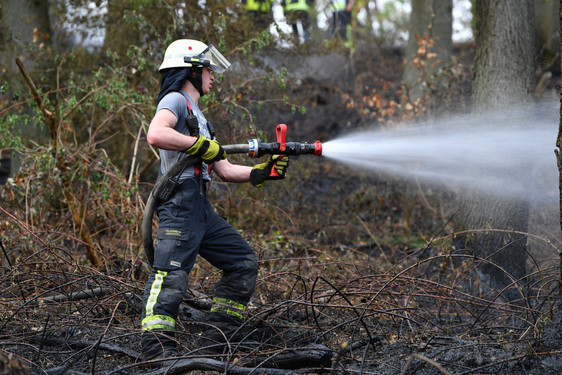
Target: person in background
<point x="341" y="20"/>
<point x="188" y="225"/>
<point x="299" y="11"/>
<point x="260" y="12"/>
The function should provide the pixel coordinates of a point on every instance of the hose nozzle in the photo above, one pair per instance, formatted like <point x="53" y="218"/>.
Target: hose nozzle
<point x="258" y="148"/>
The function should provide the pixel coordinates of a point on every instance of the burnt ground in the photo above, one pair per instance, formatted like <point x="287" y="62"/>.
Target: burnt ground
<point x="311" y="313"/>
<point x="358" y="273"/>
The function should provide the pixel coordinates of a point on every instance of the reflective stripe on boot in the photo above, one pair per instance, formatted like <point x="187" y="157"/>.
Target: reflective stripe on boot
<point x="227" y="306"/>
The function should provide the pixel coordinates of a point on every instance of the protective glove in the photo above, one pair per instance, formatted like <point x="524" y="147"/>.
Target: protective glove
<point x="275" y="168"/>
<point x="209" y="150"/>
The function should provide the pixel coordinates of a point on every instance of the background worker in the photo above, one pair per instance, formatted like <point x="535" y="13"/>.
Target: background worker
<point x="299" y="11"/>
<point x="341" y="19"/>
<point x="188" y="226"/>
<point x="260" y="12"/>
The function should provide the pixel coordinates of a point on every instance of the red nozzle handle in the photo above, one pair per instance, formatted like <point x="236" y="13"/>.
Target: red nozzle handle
<point x="281" y="131"/>
<point x="317" y="148"/>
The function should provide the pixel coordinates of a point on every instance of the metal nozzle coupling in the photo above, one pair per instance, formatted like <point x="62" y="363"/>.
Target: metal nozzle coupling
<point x="258" y="148"/>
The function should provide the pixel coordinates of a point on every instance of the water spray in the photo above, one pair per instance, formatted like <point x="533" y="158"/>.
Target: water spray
<point x="506" y="153"/>
<point x="254" y="148"/>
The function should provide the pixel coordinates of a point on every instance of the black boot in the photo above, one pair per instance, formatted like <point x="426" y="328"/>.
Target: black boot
<point x="227" y="331"/>
<point x="158" y="344"/>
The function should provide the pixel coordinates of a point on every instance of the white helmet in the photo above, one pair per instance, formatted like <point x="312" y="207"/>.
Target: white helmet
<point x="189" y="52"/>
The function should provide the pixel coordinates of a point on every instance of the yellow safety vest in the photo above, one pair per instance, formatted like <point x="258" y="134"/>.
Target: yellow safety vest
<point x="339" y="5"/>
<point x="257" y="5"/>
<point x="296" y="5"/>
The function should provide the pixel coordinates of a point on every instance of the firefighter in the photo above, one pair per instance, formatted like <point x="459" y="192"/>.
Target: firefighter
<point x="260" y="12"/>
<point x="188" y="226"/>
<point x="299" y="11"/>
<point x="341" y="20"/>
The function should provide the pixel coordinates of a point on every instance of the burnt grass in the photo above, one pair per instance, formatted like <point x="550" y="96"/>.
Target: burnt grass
<point x="359" y="273"/>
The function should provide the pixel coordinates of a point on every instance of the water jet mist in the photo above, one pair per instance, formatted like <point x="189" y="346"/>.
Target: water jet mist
<point x="508" y="154"/>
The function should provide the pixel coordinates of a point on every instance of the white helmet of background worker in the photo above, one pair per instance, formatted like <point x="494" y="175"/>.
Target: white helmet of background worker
<point x="193" y="53"/>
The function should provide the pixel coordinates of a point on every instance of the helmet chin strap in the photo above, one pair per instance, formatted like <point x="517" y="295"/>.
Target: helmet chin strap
<point x="196" y="79"/>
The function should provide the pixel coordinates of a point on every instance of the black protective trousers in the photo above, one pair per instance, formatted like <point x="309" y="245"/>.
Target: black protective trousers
<point x="188" y="226"/>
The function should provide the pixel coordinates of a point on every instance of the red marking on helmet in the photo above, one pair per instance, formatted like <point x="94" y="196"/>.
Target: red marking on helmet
<point x="189" y="47"/>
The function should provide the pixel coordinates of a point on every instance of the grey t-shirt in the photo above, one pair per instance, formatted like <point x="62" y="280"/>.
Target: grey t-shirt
<point x="176" y="103"/>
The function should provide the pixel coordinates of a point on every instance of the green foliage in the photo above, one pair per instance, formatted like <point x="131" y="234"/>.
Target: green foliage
<point x="101" y="101"/>
<point x="10" y="135"/>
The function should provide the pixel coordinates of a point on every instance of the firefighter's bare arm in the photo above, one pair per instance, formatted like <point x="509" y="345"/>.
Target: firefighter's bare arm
<point x="229" y="172"/>
<point x="162" y="134"/>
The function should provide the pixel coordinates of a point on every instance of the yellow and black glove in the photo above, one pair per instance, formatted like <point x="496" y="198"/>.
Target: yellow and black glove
<point x="209" y="150"/>
<point x="275" y="168"/>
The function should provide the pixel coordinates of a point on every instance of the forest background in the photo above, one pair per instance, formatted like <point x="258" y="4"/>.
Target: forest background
<point x="390" y="274"/>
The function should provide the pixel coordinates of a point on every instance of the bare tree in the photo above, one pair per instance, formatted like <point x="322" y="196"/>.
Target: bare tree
<point x="503" y="75"/>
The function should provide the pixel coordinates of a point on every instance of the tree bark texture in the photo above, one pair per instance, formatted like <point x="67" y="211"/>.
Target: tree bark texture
<point x="503" y="75"/>
<point x="504" y="57"/>
<point x="559" y="146"/>
<point x="429" y="19"/>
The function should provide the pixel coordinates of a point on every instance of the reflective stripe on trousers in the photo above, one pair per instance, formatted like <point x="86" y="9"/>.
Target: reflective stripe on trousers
<point x="152" y="321"/>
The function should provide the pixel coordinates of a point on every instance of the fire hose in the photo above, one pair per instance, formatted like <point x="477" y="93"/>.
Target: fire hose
<point x="254" y="148"/>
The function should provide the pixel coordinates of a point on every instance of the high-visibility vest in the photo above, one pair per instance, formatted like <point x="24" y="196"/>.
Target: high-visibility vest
<point x="257" y="5"/>
<point x="296" y="5"/>
<point x="339" y="5"/>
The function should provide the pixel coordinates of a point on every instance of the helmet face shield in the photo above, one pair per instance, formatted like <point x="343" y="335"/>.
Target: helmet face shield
<point x="219" y="63"/>
<point x="210" y="57"/>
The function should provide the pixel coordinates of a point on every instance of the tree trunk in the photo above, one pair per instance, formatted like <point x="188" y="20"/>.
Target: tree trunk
<point x="559" y="150"/>
<point x="505" y="50"/>
<point x="503" y="76"/>
<point x="429" y="48"/>
<point x="24" y="22"/>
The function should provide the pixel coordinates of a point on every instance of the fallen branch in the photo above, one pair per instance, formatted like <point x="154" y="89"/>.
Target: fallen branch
<point x="76" y="296"/>
<point x="281" y="363"/>
<point x="182" y="366"/>
<point x="311" y="356"/>
<point x="53" y="341"/>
